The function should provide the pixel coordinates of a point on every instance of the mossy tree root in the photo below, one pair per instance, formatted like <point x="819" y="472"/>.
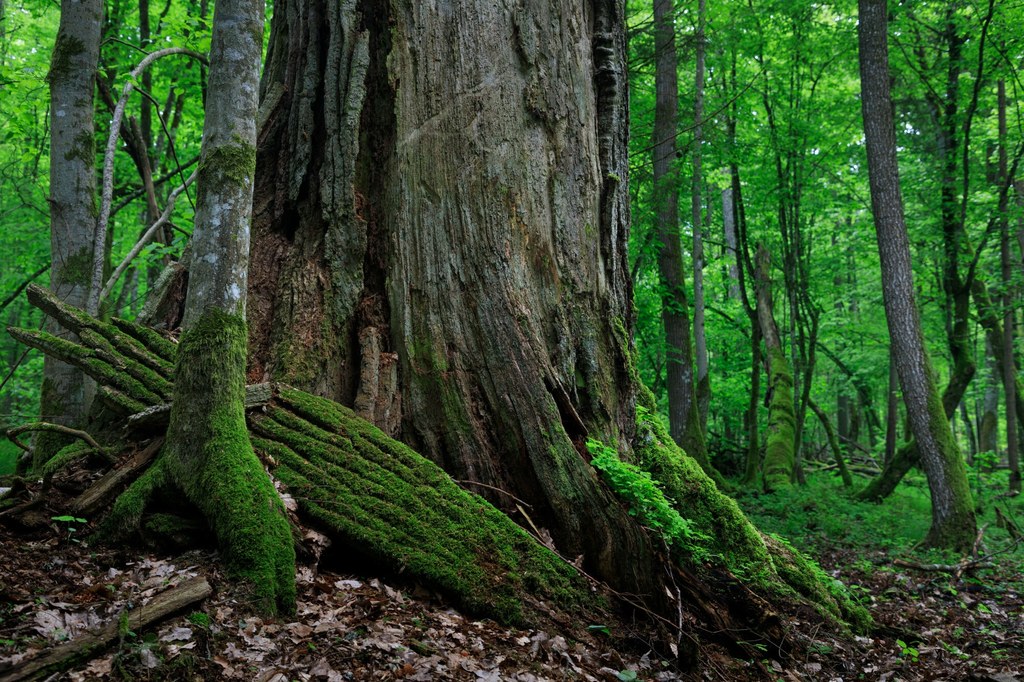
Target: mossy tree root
<point x="368" y="491"/>
<point x="210" y="458"/>
<point x="728" y="544"/>
<point x="403" y="511"/>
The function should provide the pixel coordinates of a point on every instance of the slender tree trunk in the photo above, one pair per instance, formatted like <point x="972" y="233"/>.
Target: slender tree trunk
<point x="753" y="460"/>
<point x="988" y="426"/>
<point x="953" y="522"/>
<point x="1009" y="373"/>
<point x="683" y="408"/>
<point x="64" y="396"/>
<point x="833" y="443"/>
<point x="892" y="412"/>
<point x="780" y="443"/>
<point x="208" y="452"/>
<point x="703" y="386"/>
<point x="732" y="256"/>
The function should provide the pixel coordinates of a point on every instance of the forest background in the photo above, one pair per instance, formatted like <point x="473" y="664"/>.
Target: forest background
<point x="769" y="159"/>
<point x="780" y="113"/>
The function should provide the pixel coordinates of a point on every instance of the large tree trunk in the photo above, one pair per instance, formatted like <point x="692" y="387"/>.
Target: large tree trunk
<point x="380" y="500"/>
<point x="953" y="522"/>
<point x="442" y="196"/>
<point x="72" y="79"/>
<point x="439" y="239"/>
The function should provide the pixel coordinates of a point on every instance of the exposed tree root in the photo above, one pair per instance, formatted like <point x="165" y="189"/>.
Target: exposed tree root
<point x="387" y="505"/>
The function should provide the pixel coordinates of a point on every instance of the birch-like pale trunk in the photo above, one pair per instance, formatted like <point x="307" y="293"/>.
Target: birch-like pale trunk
<point x="64" y="396"/>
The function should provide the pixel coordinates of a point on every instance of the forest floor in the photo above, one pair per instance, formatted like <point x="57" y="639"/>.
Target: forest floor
<point x="348" y="626"/>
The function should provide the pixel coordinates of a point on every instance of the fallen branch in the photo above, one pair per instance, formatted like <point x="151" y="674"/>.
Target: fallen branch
<point x="89" y="645"/>
<point x="102" y="491"/>
<point x="13" y="434"/>
<point x="956" y="569"/>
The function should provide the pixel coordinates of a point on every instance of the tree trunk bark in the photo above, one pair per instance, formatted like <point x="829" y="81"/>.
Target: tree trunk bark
<point x="64" y="396"/>
<point x="458" y="213"/>
<point x="208" y="454"/>
<point x="1008" y="374"/>
<point x="953" y="522"/>
<point x="988" y="426"/>
<point x="892" y="412"/>
<point x="780" y="443"/>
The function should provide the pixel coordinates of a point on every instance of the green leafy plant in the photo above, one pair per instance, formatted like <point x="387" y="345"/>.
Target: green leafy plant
<point x="199" y="619"/>
<point x="907" y="651"/>
<point x="71" y="522"/>
<point x="646" y="500"/>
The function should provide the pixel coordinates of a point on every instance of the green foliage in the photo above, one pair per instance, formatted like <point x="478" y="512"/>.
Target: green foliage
<point x="907" y="651"/>
<point x="647" y="500"/>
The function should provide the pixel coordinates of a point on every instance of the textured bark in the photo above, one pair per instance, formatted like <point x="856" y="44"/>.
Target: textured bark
<point x="1008" y="373"/>
<point x="892" y="412"/>
<point x="732" y="257"/>
<point x="703" y="385"/>
<point x="72" y="79"/>
<point x="780" y="441"/>
<point x="456" y="181"/>
<point x="953" y="522"/>
<point x="988" y="426"/>
<point x="753" y="459"/>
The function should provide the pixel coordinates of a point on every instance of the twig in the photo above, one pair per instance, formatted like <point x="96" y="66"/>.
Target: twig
<point x="47" y="426"/>
<point x="499" y="490"/>
<point x="21" y="287"/>
<point x="100" y="236"/>
<point x="144" y="239"/>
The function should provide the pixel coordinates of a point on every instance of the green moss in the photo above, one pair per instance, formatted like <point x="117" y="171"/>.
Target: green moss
<point x="104" y="349"/>
<point x="728" y="537"/>
<point x="65" y="49"/>
<point x="152" y="340"/>
<point x="402" y="510"/>
<point x="808" y="580"/>
<point x="732" y="540"/>
<point x="123" y="520"/>
<point x="958" y="528"/>
<point x="212" y="461"/>
<point x="47" y="443"/>
<point x="65" y="457"/>
<point x="780" y="443"/>
<point x="77" y="268"/>
<point x="234" y="163"/>
<point x="83" y="149"/>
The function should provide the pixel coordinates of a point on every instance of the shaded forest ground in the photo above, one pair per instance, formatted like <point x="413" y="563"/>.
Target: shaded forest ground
<point x="355" y="624"/>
